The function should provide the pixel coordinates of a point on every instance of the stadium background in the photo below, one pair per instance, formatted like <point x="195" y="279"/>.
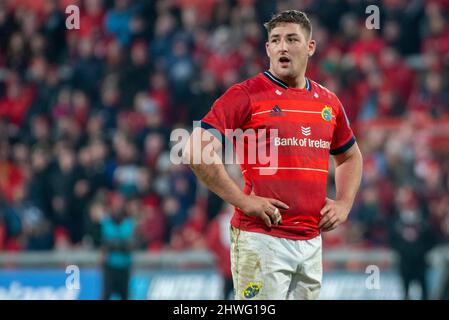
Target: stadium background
<point x="86" y="115"/>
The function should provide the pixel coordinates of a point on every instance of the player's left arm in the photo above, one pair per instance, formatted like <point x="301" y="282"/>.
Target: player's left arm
<point x="348" y="175"/>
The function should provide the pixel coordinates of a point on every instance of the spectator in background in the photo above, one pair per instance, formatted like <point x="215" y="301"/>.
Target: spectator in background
<point x="181" y="69"/>
<point x="412" y="238"/>
<point x="152" y="149"/>
<point x="12" y="222"/>
<point x="150" y="230"/>
<point x="117" y="234"/>
<point x="91" y="20"/>
<point x="161" y="96"/>
<point x="97" y="212"/>
<point x="134" y="77"/>
<point x="118" y="21"/>
<point x="47" y="82"/>
<point x="88" y="68"/>
<point x="62" y="183"/>
<point x="109" y="107"/>
<point x="17" y="55"/>
<point x="26" y="225"/>
<point x="15" y="103"/>
<point x="38" y="190"/>
<point x="114" y="61"/>
<point x="224" y="57"/>
<point x="163" y="34"/>
<point x="432" y="98"/>
<point x="126" y="171"/>
<point x="40" y="132"/>
<point x="367" y="214"/>
<point x="11" y="175"/>
<point x="204" y="93"/>
<point x="54" y="29"/>
<point x="436" y="29"/>
<point x="180" y="198"/>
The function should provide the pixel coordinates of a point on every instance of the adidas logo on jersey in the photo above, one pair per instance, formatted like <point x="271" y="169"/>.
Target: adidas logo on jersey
<point x="276" y="111"/>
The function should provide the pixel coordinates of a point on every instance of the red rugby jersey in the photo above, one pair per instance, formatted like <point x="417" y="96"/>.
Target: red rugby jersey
<point x="311" y="124"/>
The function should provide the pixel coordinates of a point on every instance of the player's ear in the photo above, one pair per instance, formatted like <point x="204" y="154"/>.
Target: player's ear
<point x="312" y="47"/>
<point x="266" y="49"/>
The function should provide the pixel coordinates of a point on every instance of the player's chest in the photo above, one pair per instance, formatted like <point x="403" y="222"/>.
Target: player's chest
<point x="294" y="118"/>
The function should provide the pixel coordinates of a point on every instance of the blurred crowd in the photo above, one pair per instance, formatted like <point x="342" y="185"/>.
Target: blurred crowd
<point x="86" y="115"/>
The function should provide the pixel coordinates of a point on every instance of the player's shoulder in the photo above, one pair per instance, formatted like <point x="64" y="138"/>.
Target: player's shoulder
<point x="246" y="87"/>
<point x="250" y="84"/>
<point x="323" y="92"/>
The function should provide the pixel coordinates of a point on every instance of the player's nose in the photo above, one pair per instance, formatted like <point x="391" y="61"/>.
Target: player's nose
<point x="283" y="46"/>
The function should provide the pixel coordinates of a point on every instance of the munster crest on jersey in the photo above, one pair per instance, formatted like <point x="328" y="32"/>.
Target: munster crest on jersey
<point x="326" y="113"/>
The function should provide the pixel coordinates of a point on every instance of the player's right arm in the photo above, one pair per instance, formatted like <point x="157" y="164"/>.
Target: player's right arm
<point x="212" y="173"/>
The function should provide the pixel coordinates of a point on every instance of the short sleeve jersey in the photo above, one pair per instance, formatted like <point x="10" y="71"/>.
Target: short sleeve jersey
<point x="299" y="129"/>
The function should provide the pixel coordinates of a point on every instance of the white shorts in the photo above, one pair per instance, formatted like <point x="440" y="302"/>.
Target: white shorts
<point x="271" y="268"/>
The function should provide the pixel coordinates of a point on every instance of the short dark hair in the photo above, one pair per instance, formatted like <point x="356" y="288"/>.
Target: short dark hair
<point x="289" y="16"/>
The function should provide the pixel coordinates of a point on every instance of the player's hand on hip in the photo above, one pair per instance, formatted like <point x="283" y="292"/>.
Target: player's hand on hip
<point x="333" y="214"/>
<point x="266" y="209"/>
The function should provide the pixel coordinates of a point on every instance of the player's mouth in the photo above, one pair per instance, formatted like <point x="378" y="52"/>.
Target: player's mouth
<point x="284" y="62"/>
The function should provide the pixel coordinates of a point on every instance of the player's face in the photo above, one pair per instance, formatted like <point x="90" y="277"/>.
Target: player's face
<point x="288" y="48"/>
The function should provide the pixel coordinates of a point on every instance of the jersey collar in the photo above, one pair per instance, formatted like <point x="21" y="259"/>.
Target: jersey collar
<point x="281" y="83"/>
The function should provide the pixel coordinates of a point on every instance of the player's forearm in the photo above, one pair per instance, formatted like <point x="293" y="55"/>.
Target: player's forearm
<point x="210" y="169"/>
<point x="348" y="175"/>
<point x="215" y="177"/>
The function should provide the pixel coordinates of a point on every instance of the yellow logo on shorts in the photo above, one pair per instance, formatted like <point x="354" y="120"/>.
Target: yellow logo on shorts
<point x="326" y="113"/>
<point x="253" y="288"/>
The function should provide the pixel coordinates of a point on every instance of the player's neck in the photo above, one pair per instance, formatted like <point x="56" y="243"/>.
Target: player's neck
<point x="298" y="82"/>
